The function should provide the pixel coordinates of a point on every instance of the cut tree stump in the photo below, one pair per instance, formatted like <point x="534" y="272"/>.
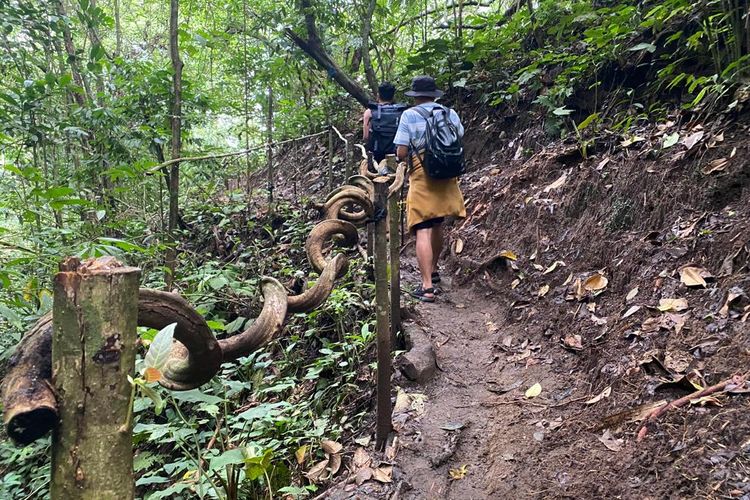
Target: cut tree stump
<point x="93" y="352"/>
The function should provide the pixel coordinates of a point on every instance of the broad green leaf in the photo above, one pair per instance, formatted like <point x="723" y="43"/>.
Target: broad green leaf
<point x="161" y="346"/>
<point x="650" y="47"/>
<point x="235" y="456"/>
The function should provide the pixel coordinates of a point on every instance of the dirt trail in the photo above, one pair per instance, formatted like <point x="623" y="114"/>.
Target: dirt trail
<point x="478" y="389"/>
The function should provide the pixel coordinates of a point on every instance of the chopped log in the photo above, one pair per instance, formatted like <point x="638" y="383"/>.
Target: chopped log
<point x="29" y="403"/>
<point x="93" y="353"/>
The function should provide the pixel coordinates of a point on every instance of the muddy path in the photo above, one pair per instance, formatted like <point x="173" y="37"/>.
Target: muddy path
<point x="477" y="434"/>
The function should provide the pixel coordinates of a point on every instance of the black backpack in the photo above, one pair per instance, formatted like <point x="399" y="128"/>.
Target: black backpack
<point x="443" y="150"/>
<point x="383" y="127"/>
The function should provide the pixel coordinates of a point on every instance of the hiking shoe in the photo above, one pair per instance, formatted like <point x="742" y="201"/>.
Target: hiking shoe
<point x="421" y="294"/>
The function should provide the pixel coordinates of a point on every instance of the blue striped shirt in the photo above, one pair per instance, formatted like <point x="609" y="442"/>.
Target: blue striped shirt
<point x="411" y="128"/>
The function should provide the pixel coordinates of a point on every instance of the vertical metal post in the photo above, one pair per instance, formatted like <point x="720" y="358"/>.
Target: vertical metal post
<point x="382" y="309"/>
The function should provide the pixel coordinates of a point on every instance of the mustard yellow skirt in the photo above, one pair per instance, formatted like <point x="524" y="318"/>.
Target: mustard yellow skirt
<point x="430" y="198"/>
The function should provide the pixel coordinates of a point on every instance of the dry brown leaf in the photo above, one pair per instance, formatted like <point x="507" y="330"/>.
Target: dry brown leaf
<point x="557" y="184"/>
<point x="715" y="166"/>
<point x="300" y="454"/>
<point x="595" y="282"/>
<point x="692" y="139"/>
<point x="631" y="311"/>
<point x="693" y="276"/>
<point x="675" y="305"/>
<point x="579" y="290"/>
<point x="515" y="283"/>
<point x="459" y="246"/>
<point x="335" y="464"/>
<point x="363" y="475"/>
<point x="361" y="458"/>
<point x="383" y="474"/>
<point x="318" y="472"/>
<point x="604" y="394"/>
<point x="573" y="342"/>
<point x="568" y="280"/>
<point x="706" y="400"/>
<point x="612" y="443"/>
<point x="554" y="266"/>
<point x="331" y="447"/>
<point x="631" y="294"/>
<point x="543" y="290"/>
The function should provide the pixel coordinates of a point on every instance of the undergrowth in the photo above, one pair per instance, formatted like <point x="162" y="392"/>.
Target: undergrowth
<point x="251" y="431"/>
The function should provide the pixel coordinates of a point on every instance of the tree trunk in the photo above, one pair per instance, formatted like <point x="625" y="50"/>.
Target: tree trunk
<point x="174" y="173"/>
<point x="269" y="147"/>
<point x="372" y="80"/>
<point x="313" y="47"/>
<point x="93" y="352"/>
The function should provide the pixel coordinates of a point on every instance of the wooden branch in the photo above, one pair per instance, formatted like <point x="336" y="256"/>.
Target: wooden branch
<point x="657" y="412"/>
<point x="449" y="6"/>
<point x="382" y="308"/>
<point x="313" y="47"/>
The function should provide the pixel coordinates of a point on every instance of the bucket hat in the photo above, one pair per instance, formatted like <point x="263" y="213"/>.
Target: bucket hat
<point x="423" y="86"/>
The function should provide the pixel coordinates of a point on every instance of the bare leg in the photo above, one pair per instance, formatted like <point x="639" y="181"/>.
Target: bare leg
<point x="437" y="245"/>
<point x="424" y="256"/>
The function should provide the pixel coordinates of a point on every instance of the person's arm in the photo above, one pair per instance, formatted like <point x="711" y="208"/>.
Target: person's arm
<point x="457" y="122"/>
<point x="401" y="140"/>
<point x="366" y="125"/>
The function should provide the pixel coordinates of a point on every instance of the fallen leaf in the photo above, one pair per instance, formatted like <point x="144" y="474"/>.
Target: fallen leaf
<point x="459" y="473"/>
<point x="452" y="426"/>
<point x="578" y="289"/>
<point x="318" y="472"/>
<point x="572" y="341"/>
<point x="533" y="391"/>
<point x="603" y="163"/>
<point x="598" y="321"/>
<point x="671" y="140"/>
<point x="361" y="458"/>
<point x="676" y="305"/>
<point x="383" y="474"/>
<point x="715" y="166"/>
<point x="595" y="282"/>
<point x="543" y="290"/>
<point x="515" y="283"/>
<point x="363" y="441"/>
<point x="706" y="400"/>
<point x="693" y="276"/>
<point x="507" y="254"/>
<point x="554" y="266"/>
<point x="692" y="140"/>
<point x="568" y="280"/>
<point x="604" y="394"/>
<point x="363" y="475"/>
<point x="331" y="447"/>
<point x="557" y="184"/>
<point x="538" y="267"/>
<point x="631" y="294"/>
<point x="732" y="295"/>
<point x="459" y="246"/>
<point x="631" y="311"/>
<point x="300" y="454"/>
<point x="610" y="441"/>
<point x="335" y="464"/>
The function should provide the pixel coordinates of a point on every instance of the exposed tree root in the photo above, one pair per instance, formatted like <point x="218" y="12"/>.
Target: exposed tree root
<point x="318" y="293"/>
<point x="324" y="231"/>
<point x="657" y="412"/>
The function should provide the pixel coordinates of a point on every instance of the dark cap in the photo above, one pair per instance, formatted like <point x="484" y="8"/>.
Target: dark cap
<point x="423" y="86"/>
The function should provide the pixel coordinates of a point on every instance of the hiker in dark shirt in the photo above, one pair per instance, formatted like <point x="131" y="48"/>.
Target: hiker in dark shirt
<point x="380" y="123"/>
